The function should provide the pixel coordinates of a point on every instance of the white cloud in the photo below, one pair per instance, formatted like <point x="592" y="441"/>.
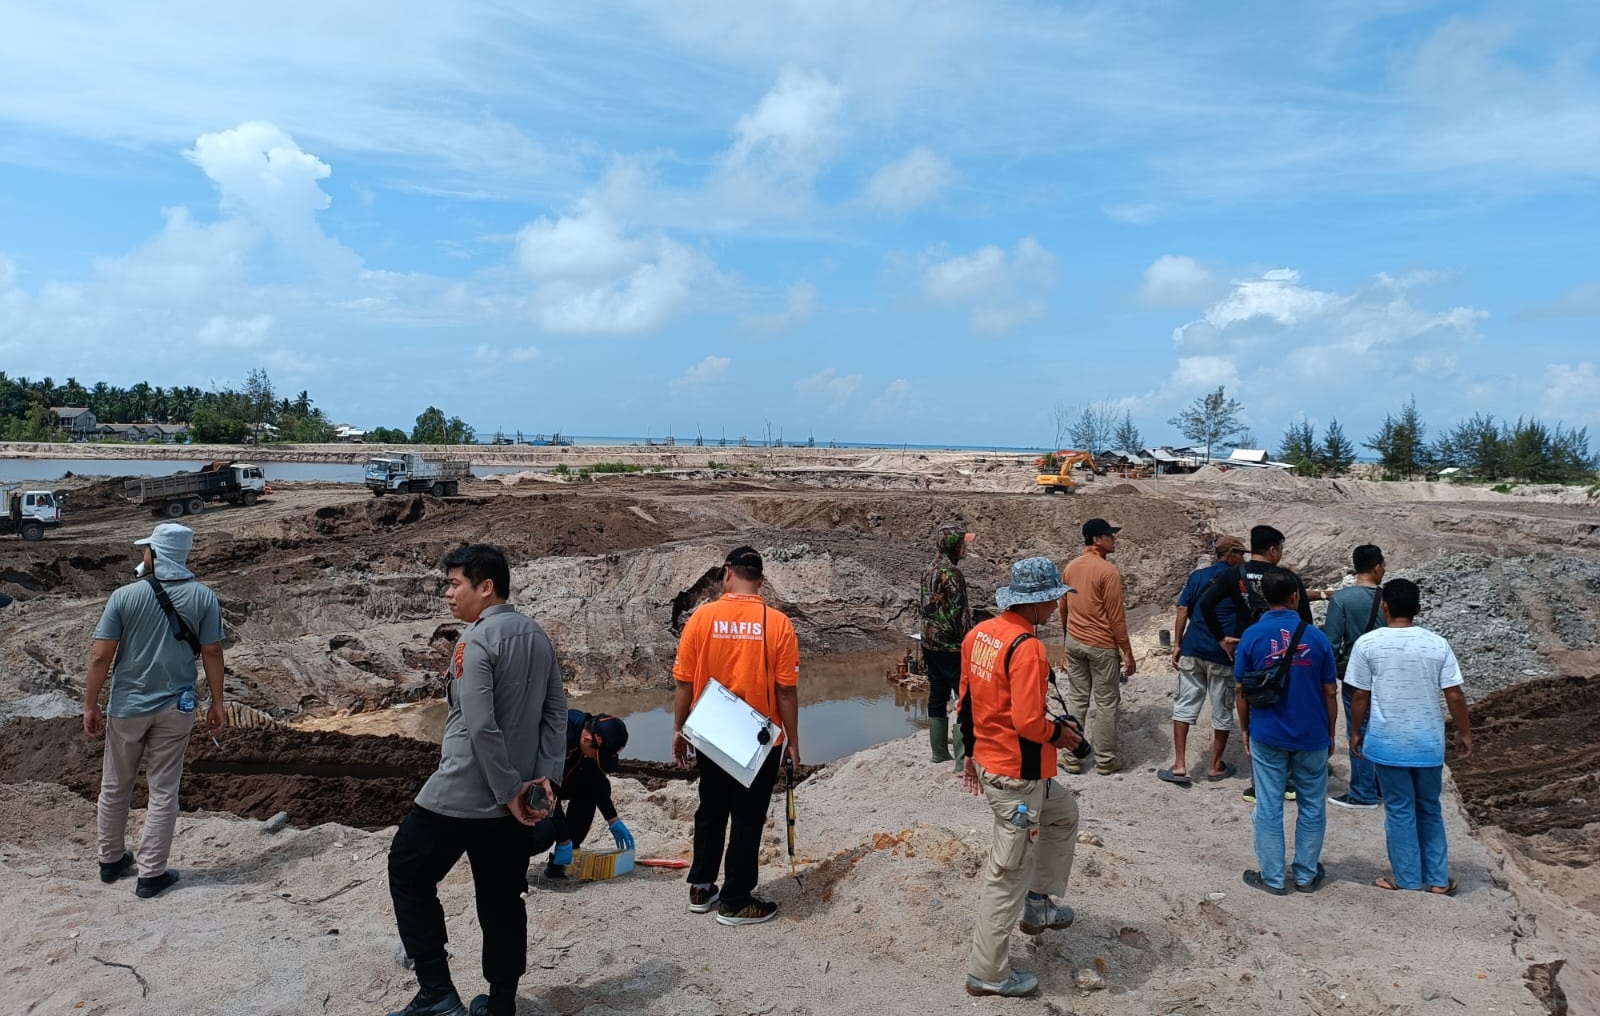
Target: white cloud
<point x="1582" y="300"/>
<point x="491" y="355"/>
<point x="1134" y="213"/>
<point x="910" y="182"/>
<point x="830" y="386"/>
<point x="780" y="147"/>
<point x="1571" y="391"/>
<point x="1176" y="281"/>
<point x="800" y="305"/>
<point x="592" y="278"/>
<point x="897" y="397"/>
<point x="708" y="371"/>
<point x="224" y="332"/>
<point x="1004" y="291"/>
<point x="1203" y="373"/>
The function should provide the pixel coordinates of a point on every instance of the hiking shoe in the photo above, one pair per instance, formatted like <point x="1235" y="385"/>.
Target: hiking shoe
<point x="702" y="900"/>
<point x="1072" y="766"/>
<point x="1018" y="985"/>
<point x="149" y="888"/>
<point x="483" y="1005"/>
<point x="756" y="911"/>
<point x="1107" y="770"/>
<point x="1039" y="916"/>
<point x="434" y="1002"/>
<point x="109" y="873"/>
<point x="1346" y="801"/>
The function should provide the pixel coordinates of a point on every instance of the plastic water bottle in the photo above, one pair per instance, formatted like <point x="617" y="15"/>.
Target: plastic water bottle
<point x="1019" y="818"/>
<point x="186" y="699"/>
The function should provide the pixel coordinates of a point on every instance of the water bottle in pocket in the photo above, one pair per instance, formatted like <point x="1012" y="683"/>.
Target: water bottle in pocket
<point x="186" y="699"/>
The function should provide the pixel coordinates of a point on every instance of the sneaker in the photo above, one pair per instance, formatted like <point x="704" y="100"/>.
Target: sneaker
<point x="1250" y="794"/>
<point x="1018" y="985"/>
<point x="1072" y="766"/>
<point x="756" y="911"/>
<point x="149" y="888"/>
<point x="434" y="1002"/>
<point x="109" y="873"/>
<point x="1289" y="793"/>
<point x="1346" y="801"/>
<point x="1108" y="770"/>
<point x="702" y="900"/>
<point x="1039" y="916"/>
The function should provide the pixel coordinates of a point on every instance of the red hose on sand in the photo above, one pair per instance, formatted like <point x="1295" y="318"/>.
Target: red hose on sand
<point x="661" y="862"/>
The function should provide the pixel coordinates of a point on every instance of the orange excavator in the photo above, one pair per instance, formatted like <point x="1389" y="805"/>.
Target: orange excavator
<point x="1061" y="481"/>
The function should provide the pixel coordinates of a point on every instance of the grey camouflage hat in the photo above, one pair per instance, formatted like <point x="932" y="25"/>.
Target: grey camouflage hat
<point x="1033" y="580"/>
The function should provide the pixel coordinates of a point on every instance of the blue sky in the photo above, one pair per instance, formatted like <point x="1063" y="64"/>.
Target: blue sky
<point x="925" y="222"/>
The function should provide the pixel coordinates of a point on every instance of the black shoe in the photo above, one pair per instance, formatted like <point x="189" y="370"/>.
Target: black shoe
<point x="484" y="1005"/>
<point x="703" y="901"/>
<point x="556" y="873"/>
<point x="755" y="911"/>
<point x="1255" y="881"/>
<point x="1315" y="883"/>
<point x="435" y="1002"/>
<point x="149" y="888"/>
<point x="109" y="873"/>
<point x="1250" y="794"/>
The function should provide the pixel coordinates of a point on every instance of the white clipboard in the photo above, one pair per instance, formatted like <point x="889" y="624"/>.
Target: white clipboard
<point x="725" y="729"/>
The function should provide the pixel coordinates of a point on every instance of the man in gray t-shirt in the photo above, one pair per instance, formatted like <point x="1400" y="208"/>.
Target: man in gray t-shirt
<point x="1352" y="612"/>
<point x="149" y="658"/>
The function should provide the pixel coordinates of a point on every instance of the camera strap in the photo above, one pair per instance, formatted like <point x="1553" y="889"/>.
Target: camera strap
<point x="175" y="622"/>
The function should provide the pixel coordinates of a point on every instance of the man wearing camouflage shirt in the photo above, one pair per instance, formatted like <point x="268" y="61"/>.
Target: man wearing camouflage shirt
<point x="946" y="619"/>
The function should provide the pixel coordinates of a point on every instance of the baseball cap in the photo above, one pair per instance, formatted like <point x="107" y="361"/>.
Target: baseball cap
<point x="1226" y="543"/>
<point x="612" y="734"/>
<point x="744" y="557"/>
<point x="1099" y="527"/>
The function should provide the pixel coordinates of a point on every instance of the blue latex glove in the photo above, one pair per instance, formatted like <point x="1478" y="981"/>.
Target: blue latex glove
<point x="619" y="832"/>
<point x="563" y="854"/>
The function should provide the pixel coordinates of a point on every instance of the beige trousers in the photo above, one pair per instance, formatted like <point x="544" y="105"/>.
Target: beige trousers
<point x="1095" y="675"/>
<point x="159" y="740"/>
<point x="1038" y="858"/>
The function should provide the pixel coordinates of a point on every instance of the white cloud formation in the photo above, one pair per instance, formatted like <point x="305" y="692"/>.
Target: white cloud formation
<point x="1571" y="391"/>
<point x="1174" y="280"/>
<point x="830" y="386"/>
<point x="897" y="397"/>
<point x="909" y="182"/>
<point x="708" y="371"/>
<point x="781" y="146"/>
<point x="492" y="355"/>
<point x="800" y="305"/>
<point x="1136" y="213"/>
<point x="1582" y="300"/>
<point x="221" y="331"/>
<point x="592" y="278"/>
<point x="1004" y="291"/>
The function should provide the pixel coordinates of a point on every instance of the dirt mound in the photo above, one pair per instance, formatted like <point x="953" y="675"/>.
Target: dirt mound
<point x="98" y="493"/>
<point x="1533" y="765"/>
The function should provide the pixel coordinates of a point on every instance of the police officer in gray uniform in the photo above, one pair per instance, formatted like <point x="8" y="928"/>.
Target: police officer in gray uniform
<point x="506" y="731"/>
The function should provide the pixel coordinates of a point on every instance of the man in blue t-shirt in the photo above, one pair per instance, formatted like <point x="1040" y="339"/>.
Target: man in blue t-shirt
<point x="1204" y="670"/>
<point x="1292" y="736"/>
<point x="1396" y="674"/>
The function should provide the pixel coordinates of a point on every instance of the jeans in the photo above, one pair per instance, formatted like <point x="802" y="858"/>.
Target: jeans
<point x="426" y="846"/>
<point x="732" y="815"/>
<point x="1413" y="825"/>
<point x="944" y="680"/>
<point x="1363" y="778"/>
<point x="1271" y="767"/>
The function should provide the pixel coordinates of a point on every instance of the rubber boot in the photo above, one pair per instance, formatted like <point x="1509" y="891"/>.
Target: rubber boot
<point x="939" y="737"/>
<point x="959" y="748"/>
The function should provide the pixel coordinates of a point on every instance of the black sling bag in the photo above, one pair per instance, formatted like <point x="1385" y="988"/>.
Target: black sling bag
<point x="1267" y="686"/>
<point x="175" y="623"/>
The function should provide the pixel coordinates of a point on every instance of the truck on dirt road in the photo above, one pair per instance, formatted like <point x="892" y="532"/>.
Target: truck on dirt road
<point x="28" y="513"/>
<point x="409" y="473"/>
<point x="187" y="493"/>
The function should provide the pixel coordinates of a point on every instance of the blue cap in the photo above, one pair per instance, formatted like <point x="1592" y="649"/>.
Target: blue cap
<point x="1033" y="580"/>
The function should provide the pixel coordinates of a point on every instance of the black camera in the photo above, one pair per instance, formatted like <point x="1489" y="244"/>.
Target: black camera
<point x="1084" y="748"/>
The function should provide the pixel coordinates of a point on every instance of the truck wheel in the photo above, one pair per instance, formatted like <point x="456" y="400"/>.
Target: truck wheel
<point x="174" y="509"/>
<point x="438" y="488"/>
<point x="450" y="489"/>
<point x="377" y="492"/>
<point x="249" y="498"/>
<point x="32" y="531"/>
<point x="196" y="506"/>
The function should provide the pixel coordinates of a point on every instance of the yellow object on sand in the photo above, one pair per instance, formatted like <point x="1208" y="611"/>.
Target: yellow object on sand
<point x="596" y="865"/>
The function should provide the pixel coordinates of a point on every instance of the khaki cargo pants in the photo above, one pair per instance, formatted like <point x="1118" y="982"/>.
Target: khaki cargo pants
<point x="1094" y="675"/>
<point x="159" y="740"/>
<point x="1038" y="858"/>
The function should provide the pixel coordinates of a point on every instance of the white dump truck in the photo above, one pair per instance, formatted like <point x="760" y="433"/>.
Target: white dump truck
<point x="28" y="513"/>
<point x="409" y="473"/>
<point x="187" y="493"/>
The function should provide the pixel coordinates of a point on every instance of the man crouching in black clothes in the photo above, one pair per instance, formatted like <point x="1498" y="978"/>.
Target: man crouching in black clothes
<point x="503" y="734"/>
<point x="593" y="741"/>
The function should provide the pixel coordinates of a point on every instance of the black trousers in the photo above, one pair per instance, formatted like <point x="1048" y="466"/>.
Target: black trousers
<point x="944" y="680"/>
<point x="426" y="846"/>
<point x="588" y="790"/>
<point x="733" y="814"/>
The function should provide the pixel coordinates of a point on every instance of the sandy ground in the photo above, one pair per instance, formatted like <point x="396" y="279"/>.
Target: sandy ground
<point x="331" y="602"/>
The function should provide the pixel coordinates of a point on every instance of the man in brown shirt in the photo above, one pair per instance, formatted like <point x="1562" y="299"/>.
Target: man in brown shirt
<point x="1096" y="627"/>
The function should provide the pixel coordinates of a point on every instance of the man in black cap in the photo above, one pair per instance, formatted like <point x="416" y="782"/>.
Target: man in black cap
<point x="593" y="741"/>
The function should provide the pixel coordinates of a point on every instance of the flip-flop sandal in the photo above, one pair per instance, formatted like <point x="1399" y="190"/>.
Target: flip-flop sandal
<point x="1228" y="770"/>
<point x="1315" y="883"/>
<point x="1443" y="890"/>
<point x="1385" y="882"/>
<point x="1253" y="880"/>
<point x="1177" y="779"/>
